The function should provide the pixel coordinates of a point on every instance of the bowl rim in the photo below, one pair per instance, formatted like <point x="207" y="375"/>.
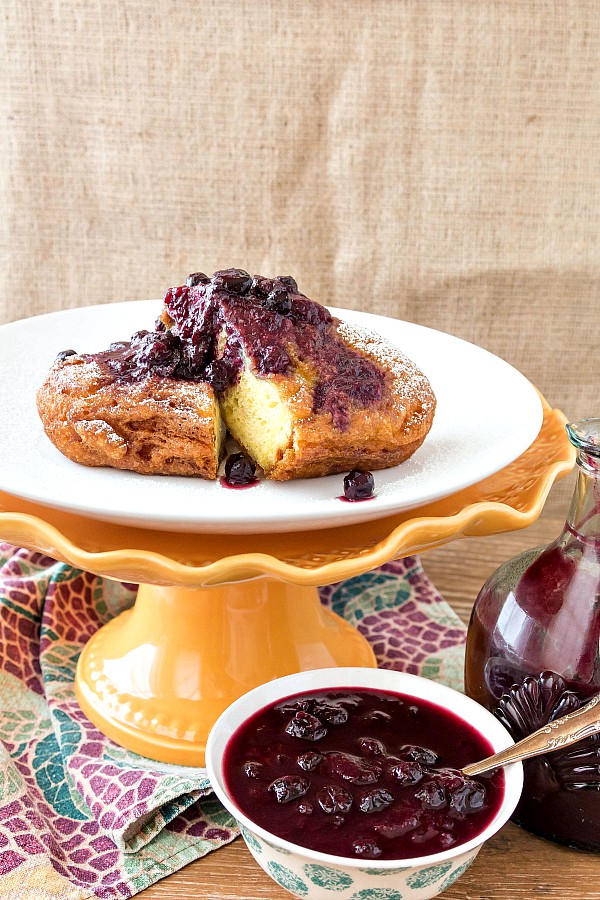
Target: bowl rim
<point x="384" y="679"/>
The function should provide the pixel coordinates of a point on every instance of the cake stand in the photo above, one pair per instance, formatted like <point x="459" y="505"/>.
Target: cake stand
<point x="218" y="614"/>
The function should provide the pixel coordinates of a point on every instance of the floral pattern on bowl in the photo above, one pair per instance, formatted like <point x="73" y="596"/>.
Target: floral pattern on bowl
<point x="313" y="881"/>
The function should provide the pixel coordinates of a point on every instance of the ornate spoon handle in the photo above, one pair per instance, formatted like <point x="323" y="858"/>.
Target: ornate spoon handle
<point x="564" y="731"/>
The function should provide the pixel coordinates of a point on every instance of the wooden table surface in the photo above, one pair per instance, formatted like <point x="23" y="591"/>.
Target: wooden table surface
<point x="514" y="865"/>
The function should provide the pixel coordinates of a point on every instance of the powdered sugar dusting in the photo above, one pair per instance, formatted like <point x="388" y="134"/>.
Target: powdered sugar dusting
<point x="408" y="381"/>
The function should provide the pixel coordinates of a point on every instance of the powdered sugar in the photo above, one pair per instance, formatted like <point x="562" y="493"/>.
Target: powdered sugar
<point x="408" y="384"/>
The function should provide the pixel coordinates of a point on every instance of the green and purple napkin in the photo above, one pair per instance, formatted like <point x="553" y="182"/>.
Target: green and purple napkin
<point x="82" y="818"/>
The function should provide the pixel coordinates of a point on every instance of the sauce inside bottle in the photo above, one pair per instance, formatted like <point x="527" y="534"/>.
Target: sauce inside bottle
<point x="533" y="655"/>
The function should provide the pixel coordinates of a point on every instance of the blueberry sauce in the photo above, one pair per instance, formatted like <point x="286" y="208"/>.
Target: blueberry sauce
<point x="216" y="321"/>
<point x="362" y="773"/>
<point x="237" y="487"/>
<point x="535" y="673"/>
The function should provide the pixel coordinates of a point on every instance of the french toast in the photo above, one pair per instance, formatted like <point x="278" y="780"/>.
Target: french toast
<point x="155" y="425"/>
<point x="302" y="392"/>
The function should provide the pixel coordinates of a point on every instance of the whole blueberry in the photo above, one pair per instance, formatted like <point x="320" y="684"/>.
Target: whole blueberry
<point x="279" y="301"/>
<point x="371" y="746"/>
<point x="239" y="469"/>
<point x="334" y="799"/>
<point x="375" y="800"/>
<point x="196" y="278"/>
<point x="289" y="787"/>
<point x="157" y="352"/>
<point x="408" y="772"/>
<point x="237" y="281"/>
<point x="423" y="755"/>
<point x="467" y="799"/>
<point x="432" y="796"/>
<point x="303" y="725"/>
<point x="261" y="287"/>
<point x="332" y="713"/>
<point x="358" y="485"/>
<point x="64" y="354"/>
<point x="288" y="282"/>
<point x="309" y="760"/>
<point x="218" y="375"/>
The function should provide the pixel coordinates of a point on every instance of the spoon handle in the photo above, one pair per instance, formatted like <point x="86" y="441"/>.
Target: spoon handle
<point x="564" y="731"/>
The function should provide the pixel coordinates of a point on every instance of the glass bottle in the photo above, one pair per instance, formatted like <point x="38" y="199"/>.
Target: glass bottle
<point x="533" y="654"/>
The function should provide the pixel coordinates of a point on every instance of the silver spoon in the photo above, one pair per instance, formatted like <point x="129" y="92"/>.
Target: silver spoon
<point x="564" y="731"/>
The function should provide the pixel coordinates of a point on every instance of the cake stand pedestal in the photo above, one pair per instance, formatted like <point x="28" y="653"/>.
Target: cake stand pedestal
<point x="217" y="615"/>
<point x="156" y="677"/>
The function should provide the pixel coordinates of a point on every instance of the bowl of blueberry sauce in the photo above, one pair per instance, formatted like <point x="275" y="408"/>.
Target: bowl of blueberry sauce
<point x="347" y="782"/>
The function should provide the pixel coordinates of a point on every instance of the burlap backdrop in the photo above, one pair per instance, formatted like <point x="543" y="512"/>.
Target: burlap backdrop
<point x="436" y="161"/>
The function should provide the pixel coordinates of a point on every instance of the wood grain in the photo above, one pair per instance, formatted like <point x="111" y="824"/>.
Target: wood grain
<point x="514" y="865"/>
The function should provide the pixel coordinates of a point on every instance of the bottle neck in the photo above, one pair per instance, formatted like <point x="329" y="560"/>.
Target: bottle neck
<point x="583" y="519"/>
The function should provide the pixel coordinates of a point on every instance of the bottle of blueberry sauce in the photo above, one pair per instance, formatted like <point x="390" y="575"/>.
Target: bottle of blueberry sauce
<point x="533" y="655"/>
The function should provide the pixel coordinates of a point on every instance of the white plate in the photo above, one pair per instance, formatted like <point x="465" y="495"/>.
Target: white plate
<point x="487" y="415"/>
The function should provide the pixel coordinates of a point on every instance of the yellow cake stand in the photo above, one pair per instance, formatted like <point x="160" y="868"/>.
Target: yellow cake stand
<point x="217" y="615"/>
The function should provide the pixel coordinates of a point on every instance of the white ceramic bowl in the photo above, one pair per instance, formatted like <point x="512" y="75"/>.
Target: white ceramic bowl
<point x="316" y="876"/>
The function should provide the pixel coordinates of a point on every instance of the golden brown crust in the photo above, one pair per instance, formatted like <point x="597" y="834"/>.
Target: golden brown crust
<point x="379" y="436"/>
<point x="173" y="427"/>
<point x="311" y="463"/>
<point x="156" y="426"/>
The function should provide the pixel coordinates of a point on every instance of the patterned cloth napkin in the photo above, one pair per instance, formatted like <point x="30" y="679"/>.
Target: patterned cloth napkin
<point x="82" y="818"/>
